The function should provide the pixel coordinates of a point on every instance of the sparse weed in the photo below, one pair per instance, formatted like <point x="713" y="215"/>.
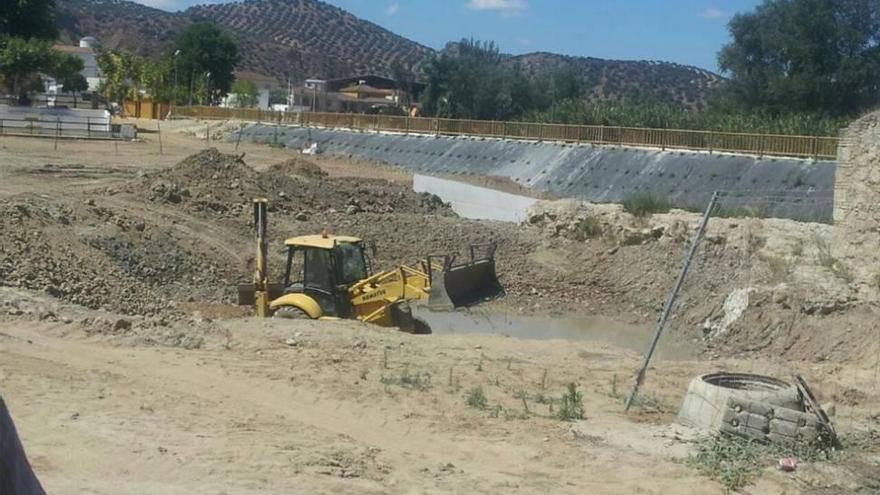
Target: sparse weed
<point x="480" y="364"/>
<point x="413" y="381"/>
<point x="571" y="405"/>
<point x="544" y="380"/>
<point x="586" y="228"/>
<point x="780" y="269"/>
<point x="826" y="259"/>
<point x="735" y="461"/>
<point x="798" y="248"/>
<point x="476" y="398"/>
<point x="644" y="205"/>
<point x="523" y="396"/>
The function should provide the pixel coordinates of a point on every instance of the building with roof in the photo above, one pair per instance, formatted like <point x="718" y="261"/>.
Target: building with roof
<point x="87" y="51"/>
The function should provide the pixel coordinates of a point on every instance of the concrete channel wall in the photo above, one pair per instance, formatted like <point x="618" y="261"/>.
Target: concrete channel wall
<point x="476" y="202"/>
<point x="775" y="187"/>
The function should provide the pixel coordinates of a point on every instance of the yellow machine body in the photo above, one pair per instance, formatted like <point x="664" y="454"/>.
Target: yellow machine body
<point x="336" y="282"/>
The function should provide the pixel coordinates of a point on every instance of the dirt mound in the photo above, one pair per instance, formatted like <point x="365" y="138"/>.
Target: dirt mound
<point x="211" y="181"/>
<point x="299" y="167"/>
<point x="54" y="248"/>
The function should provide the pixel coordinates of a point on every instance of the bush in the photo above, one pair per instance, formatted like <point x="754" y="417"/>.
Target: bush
<point x="571" y="405"/>
<point x="643" y="205"/>
<point x="476" y="398"/>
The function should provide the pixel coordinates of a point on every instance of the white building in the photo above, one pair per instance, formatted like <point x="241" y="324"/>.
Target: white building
<point x="87" y="51"/>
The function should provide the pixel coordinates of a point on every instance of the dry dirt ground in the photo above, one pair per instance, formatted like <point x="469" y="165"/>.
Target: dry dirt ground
<point x="128" y="371"/>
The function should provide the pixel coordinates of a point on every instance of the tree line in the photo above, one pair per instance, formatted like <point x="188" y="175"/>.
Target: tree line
<point x="792" y="66"/>
<point x="197" y="68"/>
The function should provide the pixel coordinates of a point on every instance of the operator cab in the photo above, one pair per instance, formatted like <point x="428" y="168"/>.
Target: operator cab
<point x="324" y="267"/>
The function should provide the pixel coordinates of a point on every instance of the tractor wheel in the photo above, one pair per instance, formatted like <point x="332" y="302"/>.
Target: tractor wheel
<point x="291" y="313"/>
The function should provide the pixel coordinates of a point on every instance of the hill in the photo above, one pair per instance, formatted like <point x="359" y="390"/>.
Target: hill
<point x="309" y="38"/>
<point x="611" y="79"/>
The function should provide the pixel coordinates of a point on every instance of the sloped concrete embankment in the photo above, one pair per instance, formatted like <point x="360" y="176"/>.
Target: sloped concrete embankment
<point x="776" y="187"/>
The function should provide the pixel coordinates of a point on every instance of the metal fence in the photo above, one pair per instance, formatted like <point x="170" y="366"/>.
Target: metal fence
<point x="816" y="147"/>
<point x="68" y="127"/>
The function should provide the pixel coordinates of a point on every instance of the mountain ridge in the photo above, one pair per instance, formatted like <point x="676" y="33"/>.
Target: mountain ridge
<point x="310" y="38"/>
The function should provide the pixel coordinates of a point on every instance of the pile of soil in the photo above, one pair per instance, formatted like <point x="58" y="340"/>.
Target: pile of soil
<point x="224" y="184"/>
<point x="299" y="167"/>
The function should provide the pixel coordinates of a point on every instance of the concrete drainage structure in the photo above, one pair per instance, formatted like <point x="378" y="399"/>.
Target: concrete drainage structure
<point x="774" y="187"/>
<point x="753" y="406"/>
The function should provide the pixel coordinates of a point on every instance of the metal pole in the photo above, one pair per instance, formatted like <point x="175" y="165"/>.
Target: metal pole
<point x="238" y="138"/>
<point x="159" y="131"/>
<point x="661" y="323"/>
<point x="57" y="132"/>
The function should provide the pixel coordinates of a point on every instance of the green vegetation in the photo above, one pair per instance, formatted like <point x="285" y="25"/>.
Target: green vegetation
<point x="655" y="115"/>
<point x="28" y="19"/>
<point x="811" y="56"/>
<point x="795" y="66"/>
<point x="476" y="398"/>
<point x="201" y="62"/>
<point x="246" y="93"/>
<point x="735" y="461"/>
<point x="643" y="205"/>
<point x="571" y="404"/>
<point x="199" y="69"/>
<point x="413" y="381"/>
<point x="22" y="60"/>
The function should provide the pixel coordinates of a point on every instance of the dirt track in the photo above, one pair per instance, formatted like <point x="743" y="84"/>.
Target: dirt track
<point x="128" y="371"/>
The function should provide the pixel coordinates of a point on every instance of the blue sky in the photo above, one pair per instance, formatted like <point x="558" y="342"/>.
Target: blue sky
<point x="684" y="31"/>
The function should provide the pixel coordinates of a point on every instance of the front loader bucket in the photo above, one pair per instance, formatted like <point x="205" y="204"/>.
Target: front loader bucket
<point x="465" y="284"/>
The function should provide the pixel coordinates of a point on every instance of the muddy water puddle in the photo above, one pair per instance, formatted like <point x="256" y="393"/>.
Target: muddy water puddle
<point x="592" y="328"/>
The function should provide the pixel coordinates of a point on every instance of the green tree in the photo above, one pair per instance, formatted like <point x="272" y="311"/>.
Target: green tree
<point x="28" y="19"/>
<point x="119" y="70"/>
<point x="246" y="93"/>
<point x="471" y="80"/>
<point x="805" y="55"/>
<point x="206" y="60"/>
<point x="21" y="59"/>
<point x="67" y="71"/>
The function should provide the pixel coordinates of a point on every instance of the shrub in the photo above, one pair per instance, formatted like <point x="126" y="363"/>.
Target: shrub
<point x="571" y="405"/>
<point x="476" y="398"/>
<point x="643" y="205"/>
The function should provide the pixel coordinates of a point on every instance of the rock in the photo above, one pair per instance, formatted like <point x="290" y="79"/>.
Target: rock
<point x="140" y="226"/>
<point x="352" y="209"/>
<point x="302" y="216"/>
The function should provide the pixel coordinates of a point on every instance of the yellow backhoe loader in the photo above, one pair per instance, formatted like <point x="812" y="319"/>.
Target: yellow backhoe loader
<point x="329" y="277"/>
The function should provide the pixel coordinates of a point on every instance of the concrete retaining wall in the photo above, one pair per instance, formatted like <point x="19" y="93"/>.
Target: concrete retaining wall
<point x="778" y="187"/>
<point x="476" y="202"/>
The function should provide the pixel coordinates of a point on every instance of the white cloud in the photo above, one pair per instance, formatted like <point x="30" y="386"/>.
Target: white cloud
<point x="506" y="7"/>
<point x="713" y="13"/>
<point x="392" y="9"/>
